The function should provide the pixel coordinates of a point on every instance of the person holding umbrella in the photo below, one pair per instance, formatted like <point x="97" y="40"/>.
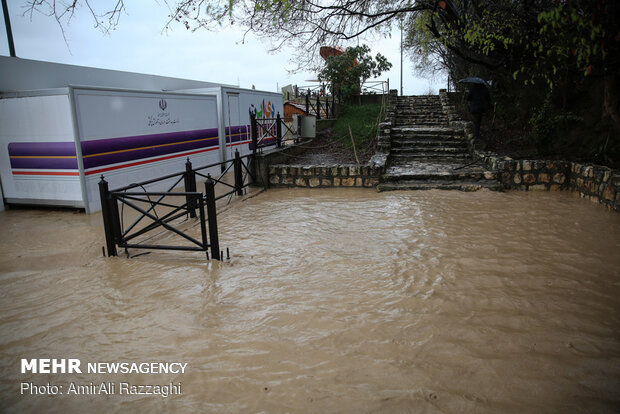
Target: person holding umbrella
<point x="479" y="100"/>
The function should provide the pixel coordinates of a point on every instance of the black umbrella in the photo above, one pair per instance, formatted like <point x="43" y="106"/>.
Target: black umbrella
<point x="475" y="80"/>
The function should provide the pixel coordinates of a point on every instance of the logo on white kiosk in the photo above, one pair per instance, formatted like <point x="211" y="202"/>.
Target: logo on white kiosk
<point x="162" y="118"/>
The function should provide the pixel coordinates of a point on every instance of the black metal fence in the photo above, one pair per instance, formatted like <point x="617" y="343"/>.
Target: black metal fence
<point x="376" y="87"/>
<point x="161" y="210"/>
<point x="320" y="103"/>
<point x="321" y="108"/>
<point x="276" y="132"/>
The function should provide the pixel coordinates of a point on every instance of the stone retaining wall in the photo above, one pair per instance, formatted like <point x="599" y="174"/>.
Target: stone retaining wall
<point x="324" y="175"/>
<point x="528" y="174"/>
<point x="599" y="184"/>
<point x="265" y="160"/>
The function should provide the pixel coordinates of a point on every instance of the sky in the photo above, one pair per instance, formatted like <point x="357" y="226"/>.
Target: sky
<point x="140" y="45"/>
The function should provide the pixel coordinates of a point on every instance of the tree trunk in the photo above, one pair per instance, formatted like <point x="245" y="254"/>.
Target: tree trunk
<point x="611" y="100"/>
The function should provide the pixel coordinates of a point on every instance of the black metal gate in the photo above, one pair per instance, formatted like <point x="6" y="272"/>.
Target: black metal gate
<point x="272" y="132"/>
<point x="148" y="206"/>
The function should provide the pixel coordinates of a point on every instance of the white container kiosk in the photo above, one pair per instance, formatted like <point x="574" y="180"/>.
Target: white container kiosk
<point x="56" y="143"/>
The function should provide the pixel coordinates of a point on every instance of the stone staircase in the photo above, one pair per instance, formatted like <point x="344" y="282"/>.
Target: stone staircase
<point x="427" y="153"/>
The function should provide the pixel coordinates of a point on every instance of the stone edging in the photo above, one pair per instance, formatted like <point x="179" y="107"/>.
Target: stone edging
<point x="346" y="175"/>
<point x="273" y="173"/>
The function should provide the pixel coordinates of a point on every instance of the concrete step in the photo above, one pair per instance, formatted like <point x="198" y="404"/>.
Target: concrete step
<point x="421" y="108"/>
<point x="413" y="123"/>
<point x="406" y="139"/>
<point x="414" y="109"/>
<point x="418" y="98"/>
<point x="420" y="120"/>
<point x="437" y="172"/>
<point x="401" y="161"/>
<point x="423" y="130"/>
<point x="420" y="176"/>
<point x="430" y="150"/>
<point x="418" y="114"/>
<point x="429" y="154"/>
<point x="417" y="141"/>
<point x="419" y="111"/>
<point x="466" y="185"/>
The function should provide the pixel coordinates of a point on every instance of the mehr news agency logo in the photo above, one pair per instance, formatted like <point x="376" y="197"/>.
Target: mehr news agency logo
<point x="74" y="366"/>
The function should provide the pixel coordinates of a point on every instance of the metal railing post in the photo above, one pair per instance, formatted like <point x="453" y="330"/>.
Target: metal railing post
<point x="203" y="230"/>
<point x="327" y="108"/>
<point x="104" y="195"/>
<point x="190" y="187"/>
<point x="318" y="107"/>
<point x="308" y="103"/>
<point x="254" y="132"/>
<point x="115" y="220"/>
<point x="238" y="171"/>
<point x="278" y="130"/>
<point x="212" y="217"/>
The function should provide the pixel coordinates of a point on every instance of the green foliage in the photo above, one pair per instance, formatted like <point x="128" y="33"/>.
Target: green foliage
<point x="542" y="127"/>
<point x="571" y="35"/>
<point x="533" y="42"/>
<point x="347" y="72"/>
<point x="488" y="32"/>
<point x="363" y="122"/>
<point x="550" y="127"/>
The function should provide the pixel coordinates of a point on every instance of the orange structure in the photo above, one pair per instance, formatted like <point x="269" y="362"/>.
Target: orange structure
<point x="291" y="108"/>
<point x="329" y="51"/>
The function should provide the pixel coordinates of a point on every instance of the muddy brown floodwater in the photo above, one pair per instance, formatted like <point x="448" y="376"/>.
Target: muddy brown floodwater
<point x="334" y="301"/>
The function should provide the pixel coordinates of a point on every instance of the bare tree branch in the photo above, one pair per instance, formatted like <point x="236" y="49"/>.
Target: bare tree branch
<point x="304" y="25"/>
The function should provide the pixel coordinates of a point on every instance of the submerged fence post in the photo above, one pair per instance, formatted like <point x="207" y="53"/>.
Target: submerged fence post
<point x="190" y="187"/>
<point x="212" y="217"/>
<point x="254" y="132"/>
<point x="104" y="195"/>
<point x="238" y="171"/>
<point x="115" y="220"/>
<point x="203" y="229"/>
<point x="279" y="130"/>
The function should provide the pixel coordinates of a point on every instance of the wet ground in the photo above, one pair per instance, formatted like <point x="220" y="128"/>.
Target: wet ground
<point x="326" y="150"/>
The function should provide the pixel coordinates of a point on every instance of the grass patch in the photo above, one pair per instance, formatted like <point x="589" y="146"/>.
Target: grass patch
<point x="363" y="121"/>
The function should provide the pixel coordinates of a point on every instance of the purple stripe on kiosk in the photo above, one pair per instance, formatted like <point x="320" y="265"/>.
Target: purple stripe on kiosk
<point x="135" y="142"/>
